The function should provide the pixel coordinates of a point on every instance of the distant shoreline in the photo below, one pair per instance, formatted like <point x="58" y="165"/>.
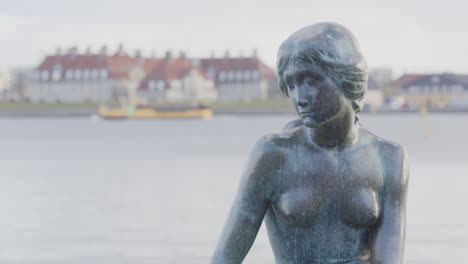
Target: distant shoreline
<point x="25" y="110"/>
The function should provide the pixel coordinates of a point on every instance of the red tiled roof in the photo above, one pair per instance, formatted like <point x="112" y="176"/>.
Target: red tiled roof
<point x="169" y="70"/>
<point x="406" y="79"/>
<point x="118" y="65"/>
<point x="238" y="64"/>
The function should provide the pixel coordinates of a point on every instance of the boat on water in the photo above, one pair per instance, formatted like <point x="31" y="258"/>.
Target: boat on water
<point x="155" y="112"/>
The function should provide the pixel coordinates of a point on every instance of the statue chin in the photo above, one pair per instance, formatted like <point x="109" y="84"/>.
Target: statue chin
<point x="311" y="122"/>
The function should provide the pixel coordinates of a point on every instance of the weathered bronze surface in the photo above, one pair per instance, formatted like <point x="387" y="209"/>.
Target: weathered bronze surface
<point x="329" y="190"/>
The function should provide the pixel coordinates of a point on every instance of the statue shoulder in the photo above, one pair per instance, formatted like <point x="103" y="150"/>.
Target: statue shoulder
<point x="276" y="145"/>
<point x="395" y="161"/>
<point x="273" y="143"/>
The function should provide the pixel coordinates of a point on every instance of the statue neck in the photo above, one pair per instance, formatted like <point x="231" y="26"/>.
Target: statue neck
<point x="337" y="134"/>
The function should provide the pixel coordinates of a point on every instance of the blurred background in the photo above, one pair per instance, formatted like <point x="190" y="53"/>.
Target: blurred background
<point x="125" y="125"/>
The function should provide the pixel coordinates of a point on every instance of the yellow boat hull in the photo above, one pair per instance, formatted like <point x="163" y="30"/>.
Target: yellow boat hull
<point x="148" y="113"/>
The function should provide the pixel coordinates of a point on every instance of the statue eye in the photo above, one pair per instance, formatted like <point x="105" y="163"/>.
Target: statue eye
<point x="309" y="80"/>
<point x="289" y="83"/>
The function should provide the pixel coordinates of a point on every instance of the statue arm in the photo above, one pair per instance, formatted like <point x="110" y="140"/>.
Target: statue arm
<point x="248" y="209"/>
<point x="389" y="238"/>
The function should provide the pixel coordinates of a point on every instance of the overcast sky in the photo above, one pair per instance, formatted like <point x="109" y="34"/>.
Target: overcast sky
<point x="409" y="36"/>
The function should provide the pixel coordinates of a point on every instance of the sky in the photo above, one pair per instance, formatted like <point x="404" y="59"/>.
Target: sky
<point x="408" y="36"/>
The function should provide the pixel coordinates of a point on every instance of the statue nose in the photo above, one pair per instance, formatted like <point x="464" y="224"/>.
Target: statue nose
<point x="302" y="102"/>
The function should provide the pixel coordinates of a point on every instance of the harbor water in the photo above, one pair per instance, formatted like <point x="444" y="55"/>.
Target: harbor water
<point x="90" y="191"/>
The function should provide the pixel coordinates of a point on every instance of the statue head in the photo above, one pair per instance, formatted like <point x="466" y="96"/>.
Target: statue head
<point x="320" y="67"/>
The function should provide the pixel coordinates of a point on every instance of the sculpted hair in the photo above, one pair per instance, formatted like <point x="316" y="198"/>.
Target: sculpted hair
<point x="333" y="49"/>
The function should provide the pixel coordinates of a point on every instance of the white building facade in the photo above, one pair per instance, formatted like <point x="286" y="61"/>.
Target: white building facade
<point x="79" y="78"/>
<point x="175" y="81"/>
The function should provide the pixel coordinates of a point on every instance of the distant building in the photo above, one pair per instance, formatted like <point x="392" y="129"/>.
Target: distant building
<point x="241" y="78"/>
<point x="431" y="90"/>
<point x="393" y="88"/>
<point x="20" y="84"/>
<point x="177" y="80"/>
<point x="5" y="79"/>
<point x="5" y="83"/>
<point x="374" y="97"/>
<point x="379" y="77"/>
<point x="74" y="78"/>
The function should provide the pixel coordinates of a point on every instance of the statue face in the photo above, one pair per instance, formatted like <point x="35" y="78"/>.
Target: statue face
<point x="314" y="95"/>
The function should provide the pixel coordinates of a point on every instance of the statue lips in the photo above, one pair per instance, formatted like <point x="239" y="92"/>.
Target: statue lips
<point x="307" y="114"/>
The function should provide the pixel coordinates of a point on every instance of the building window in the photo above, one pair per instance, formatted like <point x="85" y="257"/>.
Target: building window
<point x="239" y="76"/>
<point x="443" y="89"/>
<point x="95" y="74"/>
<point x="255" y="75"/>
<point x="231" y="75"/>
<point x="77" y="74"/>
<point x="86" y="74"/>
<point x="104" y="74"/>
<point x="56" y="75"/>
<point x="69" y="75"/>
<point x="152" y="85"/>
<point x="222" y="76"/>
<point x="247" y="75"/>
<point x="426" y="89"/>
<point x="457" y="89"/>
<point x="57" y="72"/>
<point x="36" y="76"/>
<point x="176" y="84"/>
<point x="45" y="75"/>
<point x="413" y="89"/>
<point x="160" y="85"/>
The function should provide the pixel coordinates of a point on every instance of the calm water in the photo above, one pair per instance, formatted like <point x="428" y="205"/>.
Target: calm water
<point x="109" y="192"/>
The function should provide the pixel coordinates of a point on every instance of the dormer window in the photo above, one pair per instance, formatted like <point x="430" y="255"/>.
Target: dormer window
<point x="57" y="72"/>
<point x="104" y="74"/>
<point x="56" y="75"/>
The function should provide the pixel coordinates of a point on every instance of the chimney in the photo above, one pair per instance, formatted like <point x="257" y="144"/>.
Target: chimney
<point x="72" y="50"/>
<point x="120" y="48"/>
<point x="88" y="50"/>
<point x="212" y="55"/>
<point x="255" y="53"/>
<point x="58" y="51"/>
<point x="226" y="54"/>
<point x="182" y="55"/>
<point x="168" y="55"/>
<point x="103" y="51"/>
<point x="138" y="54"/>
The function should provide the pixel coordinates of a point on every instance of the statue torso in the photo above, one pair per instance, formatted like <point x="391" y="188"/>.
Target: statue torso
<point x="324" y="204"/>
